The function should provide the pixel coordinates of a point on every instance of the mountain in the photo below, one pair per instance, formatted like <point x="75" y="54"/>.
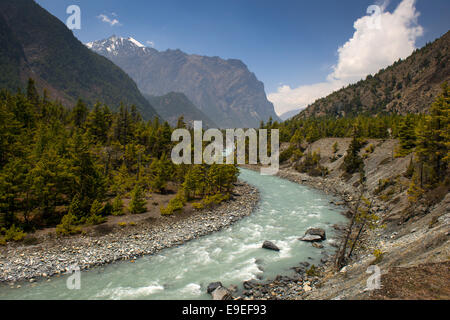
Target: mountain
<point x="174" y="104"/>
<point x="408" y="86"/>
<point x="287" y="115"/>
<point x="36" y="44"/>
<point x="225" y="90"/>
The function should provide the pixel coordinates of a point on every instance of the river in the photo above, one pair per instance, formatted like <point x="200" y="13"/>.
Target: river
<point x="231" y="256"/>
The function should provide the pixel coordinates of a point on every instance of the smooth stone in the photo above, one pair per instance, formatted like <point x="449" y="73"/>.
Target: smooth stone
<point x="221" y="293"/>
<point x="311" y="238"/>
<point x="270" y="246"/>
<point x="213" y="286"/>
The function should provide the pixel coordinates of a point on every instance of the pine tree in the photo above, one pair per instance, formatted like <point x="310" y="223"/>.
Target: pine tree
<point x="138" y="202"/>
<point x="95" y="214"/>
<point x="32" y="94"/>
<point x="117" y="206"/>
<point x="432" y="140"/>
<point x="352" y="161"/>
<point x="407" y="136"/>
<point x="79" y="113"/>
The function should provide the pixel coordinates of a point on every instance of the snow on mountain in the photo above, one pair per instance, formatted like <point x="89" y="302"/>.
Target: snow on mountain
<point x="115" y="44"/>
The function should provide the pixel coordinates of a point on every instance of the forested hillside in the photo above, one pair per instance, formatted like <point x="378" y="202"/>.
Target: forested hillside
<point x="424" y="136"/>
<point x="408" y="86"/>
<point x="73" y="167"/>
<point x="36" y="44"/>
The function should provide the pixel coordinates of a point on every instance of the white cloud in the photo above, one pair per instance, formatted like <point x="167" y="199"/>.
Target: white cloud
<point x="111" y="21"/>
<point x="150" y="43"/>
<point x="380" y="39"/>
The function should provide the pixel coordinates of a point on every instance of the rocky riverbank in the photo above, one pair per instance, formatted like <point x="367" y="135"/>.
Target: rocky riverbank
<point x="412" y="240"/>
<point x="55" y="256"/>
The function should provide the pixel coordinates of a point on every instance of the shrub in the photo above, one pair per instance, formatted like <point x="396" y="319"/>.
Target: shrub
<point x="68" y="225"/>
<point x="335" y="147"/>
<point x="311" y="165"/>
<point x="370" y="149"/>
<point x="94" y="217"/>
<point x="13" y="234"/>
<point x="378" y="254"/>
<point x="107" y="210"/>
<point x="198" y="206"/>
<point x="383" y="184"/>
<point x="175" y="204"/>
<point x="132" y="224"/>
<point x="312" y="271"/>
<point x="286" y="154"/>
<point x="210" y="201"/>
<point x="122" y="224"/>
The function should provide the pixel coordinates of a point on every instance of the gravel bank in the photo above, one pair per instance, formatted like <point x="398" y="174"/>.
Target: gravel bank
<point x="55" y="255"/>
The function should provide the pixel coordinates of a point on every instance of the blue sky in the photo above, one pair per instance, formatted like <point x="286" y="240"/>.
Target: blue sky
<point x="285" y="42"/>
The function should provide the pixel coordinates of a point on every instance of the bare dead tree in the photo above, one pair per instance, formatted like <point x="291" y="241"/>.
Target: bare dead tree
<point x="341" y="256"/>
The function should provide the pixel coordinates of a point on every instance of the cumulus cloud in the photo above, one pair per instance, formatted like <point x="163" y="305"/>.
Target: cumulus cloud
<point x="380" y="39"/>
<point x="111" y="21"/>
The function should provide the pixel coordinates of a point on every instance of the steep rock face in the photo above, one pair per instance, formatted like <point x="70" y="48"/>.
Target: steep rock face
<point x="36" y="44"/>
<point x="408" y="86"/>
<point x="173" y="105"/>
<point x="225" y="90"/>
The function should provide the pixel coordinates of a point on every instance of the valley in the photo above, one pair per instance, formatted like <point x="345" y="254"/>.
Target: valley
<point x="108" y="191"/>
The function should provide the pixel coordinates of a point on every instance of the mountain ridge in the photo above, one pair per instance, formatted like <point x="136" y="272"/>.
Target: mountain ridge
<point x="38" y="45"/>
<point x="225" y="90"/>
<point x="173" y="105"/>
<point x="407" y="86"/>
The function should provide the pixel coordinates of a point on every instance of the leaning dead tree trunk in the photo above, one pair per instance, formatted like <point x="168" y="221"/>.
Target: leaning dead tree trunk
<point x="361" y="228"/>
<point x="341" y="256"/>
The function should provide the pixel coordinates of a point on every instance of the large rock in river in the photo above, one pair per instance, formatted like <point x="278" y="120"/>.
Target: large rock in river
<point x="314" y="234"/>
<point x="270" y="245"/>
<point x="213" y="286"/>
<point x="221" y="293"/>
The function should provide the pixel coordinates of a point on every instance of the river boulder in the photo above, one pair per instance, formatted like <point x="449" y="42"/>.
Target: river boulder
<point x="221" y="293"/>
<point x="313" y="235"/>
<point x="213" y="286"/>
<point x="270" y="245"/>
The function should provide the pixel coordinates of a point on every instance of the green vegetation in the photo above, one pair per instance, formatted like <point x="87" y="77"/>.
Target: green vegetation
<point x="353" y="161"/>
<point x="35" y="43"/>
<point x="311" y="165"/>
<point x="69" y="168"/>
<point x="313" y="271"/>
<point x="117" y="207"/>
<point x="432" y="149"/>
<point x="175" y="204"/>
<point x="138" y="202"/>
<point x="378" y="254"/>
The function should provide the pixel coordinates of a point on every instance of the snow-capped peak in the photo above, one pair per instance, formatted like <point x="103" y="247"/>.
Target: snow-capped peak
<point x="114" y="44"/>
<point x="140" y="45"/>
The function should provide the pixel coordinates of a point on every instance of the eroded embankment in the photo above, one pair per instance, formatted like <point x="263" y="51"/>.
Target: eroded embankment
<point x="414" y="239"/>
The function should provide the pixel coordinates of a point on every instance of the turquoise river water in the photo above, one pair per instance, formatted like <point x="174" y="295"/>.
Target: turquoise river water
<point x="285" y="212"/>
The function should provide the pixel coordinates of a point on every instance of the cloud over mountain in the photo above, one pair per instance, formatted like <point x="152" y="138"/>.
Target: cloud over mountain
<point x="380" y="39"/>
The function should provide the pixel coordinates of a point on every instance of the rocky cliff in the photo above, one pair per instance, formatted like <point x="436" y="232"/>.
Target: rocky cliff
<point x="225" y="90"/>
